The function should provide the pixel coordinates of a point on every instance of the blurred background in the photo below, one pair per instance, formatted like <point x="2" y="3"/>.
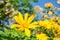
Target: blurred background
<point x="9" y="8"/>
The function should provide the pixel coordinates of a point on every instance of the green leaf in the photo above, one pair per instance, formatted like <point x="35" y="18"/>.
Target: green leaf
<point x="33" y="38"/>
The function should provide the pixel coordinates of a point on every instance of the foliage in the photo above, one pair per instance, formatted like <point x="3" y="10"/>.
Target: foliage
<point x="8" y="34"/>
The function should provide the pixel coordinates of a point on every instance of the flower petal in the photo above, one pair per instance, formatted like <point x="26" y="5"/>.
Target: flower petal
<point x="26" y="17"/>
<point x="20" y="18"/>
<point x="33" y="26"/>
<point x="20" y="29"/>
<point x="34" y="23"/>
<point x="16" y="19"/>
<point x="27" y="32"/>
<point x="30" y="19"/>
<point x="14" y="25"/>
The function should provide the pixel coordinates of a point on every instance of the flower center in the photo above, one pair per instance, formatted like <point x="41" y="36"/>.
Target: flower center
<point x="25" y="26"/>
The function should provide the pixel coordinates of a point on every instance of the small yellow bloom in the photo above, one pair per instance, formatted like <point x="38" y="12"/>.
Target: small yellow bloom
<point x="41" y="36"/>
<point x="56" y="38"/>
<point x="48" y="5"/>
<point x="53" y="19"/>
<point x="58" y="30"/>
<point x="50" y="12"/>
<point x="46" y="16"/>
<point x="36" y="8"/>
<point x="58" y="1"/>
<point x="41" y="9"/>
<point x="55" y="26"/>
<point x="59" y="33"/>
<point x="58" y="20"/>
<point x="58" y="9"/>
<point x="24" y="24"/>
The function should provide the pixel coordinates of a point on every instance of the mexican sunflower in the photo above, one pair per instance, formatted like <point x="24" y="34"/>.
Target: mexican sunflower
<point x="48" y="5"/>
<point x="24" y="23"/>
<point x="47" y="24"/>
<point x="58" y="1"/>
<point x="41" y="36"/>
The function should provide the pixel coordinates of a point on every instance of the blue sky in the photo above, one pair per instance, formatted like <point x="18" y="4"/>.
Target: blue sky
<point x="41" y="3"/>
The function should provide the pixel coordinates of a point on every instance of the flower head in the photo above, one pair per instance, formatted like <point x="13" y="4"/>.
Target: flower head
<point x="41" y="36"/>
<point x="58" y="1"/>
<point x="45" y="23"/>
<point x="36" y="8"/>
<point x="56" y="38"/>
<point x="48" y="5"/>
<point x="50" y="12"/>
<point x="58" y="9"/>
<point x="46" y="16"/>
<point x="53" y="19"/>
<point x="24" y="24"/>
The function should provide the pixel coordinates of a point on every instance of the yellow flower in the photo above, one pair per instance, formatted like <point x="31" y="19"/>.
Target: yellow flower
<point x="41" y="36"/>
<point x="58" y="9"/>
<point x="58" y="30"/>
<point x="24" y="24"/>
<point x="41" y="9"/>
<point x="58" y="1"/>
<point x="50" y="12"/>
<point x="49" y="24"/>
<point x="46" y="16"/>
<point x="36" y="8"/>
<point x="48" y="5"/>
<point x="59" y="33"/>
<point x="55" y="26"/>
<point x="45" y="23"/>
<point x="53" y="19"/>
<point x="56" y="38"/>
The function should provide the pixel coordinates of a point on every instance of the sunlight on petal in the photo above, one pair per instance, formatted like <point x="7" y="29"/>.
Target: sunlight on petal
<point x="31" y="18"/>
<point x="34" y="23"/>
<point x="58" y="1"/>
<point x="20" y="16"/>
<point x="27" y="32"/>
<point x="14" y="26"/>
<point x="33" y="26"/>
<point x="16" y="19"/>
<point x="26" y="17"/>
<point x="20" y="29"/>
